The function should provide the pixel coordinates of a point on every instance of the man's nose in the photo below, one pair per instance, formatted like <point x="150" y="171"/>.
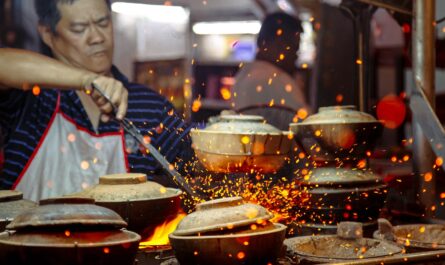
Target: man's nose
<point x="96" y="35"/>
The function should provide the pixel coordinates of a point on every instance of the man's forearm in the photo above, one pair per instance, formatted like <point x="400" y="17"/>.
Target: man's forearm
<point x="22" y="69"/>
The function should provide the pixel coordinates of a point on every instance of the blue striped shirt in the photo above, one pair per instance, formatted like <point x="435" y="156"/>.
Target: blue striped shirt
<point x="24" y="118"/>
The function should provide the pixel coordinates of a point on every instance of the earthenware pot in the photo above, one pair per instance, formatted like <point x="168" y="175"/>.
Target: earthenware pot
<point x="348" y="245"/>
<point x="241" y="143"/>
<point x="141" y="203"/>
<point x="228" y="231"/>
<point x="414" y="237"/>
<point x="222" y="215"/>
<point x="69" y="231"/>
<point x="337" y="133"/>
<point x="12" y="204"/>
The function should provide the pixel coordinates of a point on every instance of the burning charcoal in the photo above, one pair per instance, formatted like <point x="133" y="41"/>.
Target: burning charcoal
<point x="350" y="230"/>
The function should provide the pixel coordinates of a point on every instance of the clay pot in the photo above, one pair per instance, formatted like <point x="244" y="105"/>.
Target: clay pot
<point x="12" y="204"/>
<point x="259" y="248"/>
<point x="414" y="237"/>
<point x="241" y="143"/>
<point x="341" y="177"/>
<point x="338" y="115"/>
<point x="142" y="204"/>
<point x="347" y="245"/>
<point x="227" y="231"/>
<point x="71" y="231"/>
<point x="222" y="214"/>
<point x="337" y="133"/>
<point x="339" y="194"/>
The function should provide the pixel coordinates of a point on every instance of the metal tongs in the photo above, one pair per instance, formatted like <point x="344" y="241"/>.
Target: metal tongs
<point x="131" y="129"/>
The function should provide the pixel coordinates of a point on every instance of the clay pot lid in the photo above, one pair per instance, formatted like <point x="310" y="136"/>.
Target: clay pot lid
<point x="12" y="204"/>
<point x="333" y="247"/>
<point x="245" y="124"/>
<point x="126" y="178"/>
<point x="71" y="239"/>
<point x="221" y="214"/>
<point x="237" y="138"/>
<point x="10" y="195"/>
<point x="126" y="187"/>
<point x="425" y="236"/>
<point x="66" y="212"/>
<point x="337" y="176"/>
<point x="422" y="235"/>
<point x="339" y="114"/>
<point x="348" y="244"/>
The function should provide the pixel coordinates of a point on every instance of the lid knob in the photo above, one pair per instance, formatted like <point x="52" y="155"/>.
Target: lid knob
<point x="126" y="178"/>
<point x="219" y="203"/>
<point x="10" y="195"/>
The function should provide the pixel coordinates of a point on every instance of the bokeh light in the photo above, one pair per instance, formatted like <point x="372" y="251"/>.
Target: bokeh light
<point x="36" y="90"/>
<point x="392" y="111"/>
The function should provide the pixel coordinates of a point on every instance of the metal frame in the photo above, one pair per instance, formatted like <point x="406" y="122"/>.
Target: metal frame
<point x="424" y="63"/>
<point x="412" y="258"/>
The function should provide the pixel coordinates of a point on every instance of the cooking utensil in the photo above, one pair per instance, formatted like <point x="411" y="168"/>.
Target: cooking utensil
<point x="254" y="248"/>
<point x="220" y="215"/>
<point x="337" y="133"/>
<point x="341" y="177"/>
<point x="415" y="237"/>
<point x="69" y="231"/>
<point x="132" y="130"/>
<point x="345" y="246"/>
<point x="227" y="231"/>
<point x="330" y="248"/>
<point x="340" y="194"/>
<point x="142" y="204"/>
<point x="11" y="205"/>
<point x="241" y="143"/>
<point x="423" y="258"/>
<point x="77" y="211"/>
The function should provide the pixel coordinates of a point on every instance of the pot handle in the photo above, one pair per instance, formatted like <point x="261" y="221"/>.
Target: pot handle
<point x="386" y="230"/>
<point x="350" y="230"/>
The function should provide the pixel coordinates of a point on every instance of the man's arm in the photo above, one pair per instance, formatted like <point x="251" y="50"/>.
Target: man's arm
<point x="23" y="69"/>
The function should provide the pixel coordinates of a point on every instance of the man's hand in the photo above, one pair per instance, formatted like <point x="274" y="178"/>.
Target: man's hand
<point x="114" y="91"/>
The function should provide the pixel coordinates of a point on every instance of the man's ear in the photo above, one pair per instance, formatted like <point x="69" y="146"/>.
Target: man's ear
<point x="46" y="34"/>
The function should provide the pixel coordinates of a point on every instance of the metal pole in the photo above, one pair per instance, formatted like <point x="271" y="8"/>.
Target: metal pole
<point x="424" y="71"/>
<point x="362" y="28"/>
<point x="360" y="61"/>
<point x="361" y="17"/>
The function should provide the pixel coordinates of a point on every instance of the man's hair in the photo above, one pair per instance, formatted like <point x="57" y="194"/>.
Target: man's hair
<point x="48" y="12"/>
<point x="273" y="22"/>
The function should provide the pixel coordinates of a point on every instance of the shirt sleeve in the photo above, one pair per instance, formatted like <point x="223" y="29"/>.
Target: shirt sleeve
<point x="174" y="140"/>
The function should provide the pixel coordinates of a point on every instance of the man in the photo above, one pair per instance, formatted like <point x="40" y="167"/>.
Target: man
<point x="59" y="139"/>
<point x="270" y="79"/>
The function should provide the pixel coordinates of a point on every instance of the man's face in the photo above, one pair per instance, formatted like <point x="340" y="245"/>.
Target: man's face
<point x="84" y="35"/>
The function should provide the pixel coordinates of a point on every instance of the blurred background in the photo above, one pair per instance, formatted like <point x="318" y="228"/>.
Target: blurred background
<point x="190" y="51"/>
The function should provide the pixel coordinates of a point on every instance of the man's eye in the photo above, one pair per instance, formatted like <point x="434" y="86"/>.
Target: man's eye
<point x="104" y="23"/>
<point x="78" y="30"/>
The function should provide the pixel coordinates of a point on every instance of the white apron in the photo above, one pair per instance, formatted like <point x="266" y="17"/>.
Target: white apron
<point x="69" y="158"/>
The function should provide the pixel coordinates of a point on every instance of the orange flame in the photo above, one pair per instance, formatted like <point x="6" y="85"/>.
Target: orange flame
<point x="161" y="232"/>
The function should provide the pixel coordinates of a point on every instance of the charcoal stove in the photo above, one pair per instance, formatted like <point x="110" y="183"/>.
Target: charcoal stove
<point x="165" y="256"/>
<point x="157" y="255"/>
